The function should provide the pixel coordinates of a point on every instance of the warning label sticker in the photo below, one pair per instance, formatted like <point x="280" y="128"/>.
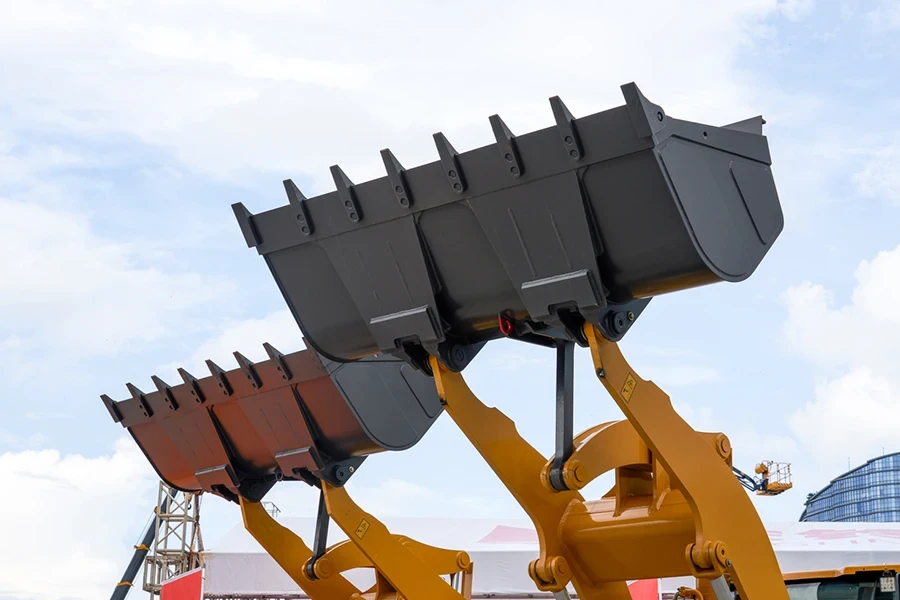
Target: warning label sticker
<point x="362" y="529"/>
<point x="628" y="388"/>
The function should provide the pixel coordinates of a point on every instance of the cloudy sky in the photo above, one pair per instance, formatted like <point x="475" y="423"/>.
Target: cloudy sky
<point x="127" y="129"/>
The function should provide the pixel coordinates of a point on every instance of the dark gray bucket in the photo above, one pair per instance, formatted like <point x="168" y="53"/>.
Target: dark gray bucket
<point x="530" y="236"/>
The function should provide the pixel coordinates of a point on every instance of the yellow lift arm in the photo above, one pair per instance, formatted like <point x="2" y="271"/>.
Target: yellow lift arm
<point x="676" y="508"/>
<point x="404" y="568"/>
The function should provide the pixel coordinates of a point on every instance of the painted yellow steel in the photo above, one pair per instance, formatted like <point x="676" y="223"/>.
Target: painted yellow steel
<point x="675" y="510"/>
<point x="404" y="568"/>
<point x="519" y="467"/>
<point x="410" y="574"/>
<point x="291" y="554"/>
<point x="729" y="537"/>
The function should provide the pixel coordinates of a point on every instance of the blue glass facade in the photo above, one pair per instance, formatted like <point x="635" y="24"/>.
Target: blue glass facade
<point x="869" y="493"/>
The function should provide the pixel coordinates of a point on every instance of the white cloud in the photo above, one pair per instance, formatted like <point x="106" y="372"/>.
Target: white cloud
<point x="70" y="521"/>
<point x="10" y="342"/>
<point x="245" y="336"/>
<point x="682" y="375"/>
<point x="852" y="416"/>
<point x="853" y="412"/>
<point x="66" y="287"/>
<point x="232" y="88"/>
<point x="15" y="440"/>
<point x="885" y="16"/>
<point x="796" y="9"/>
<point x="880" y="177"/>
<point x="863" y="333"/>
<point x="43" y="416"/>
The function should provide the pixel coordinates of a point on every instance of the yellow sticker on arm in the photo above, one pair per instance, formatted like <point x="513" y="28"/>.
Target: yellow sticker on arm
<point x="628" y="388"/>
<point x="362" y="529"/>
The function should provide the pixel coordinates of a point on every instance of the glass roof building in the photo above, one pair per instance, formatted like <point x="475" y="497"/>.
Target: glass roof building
<point x="868" y="493"/>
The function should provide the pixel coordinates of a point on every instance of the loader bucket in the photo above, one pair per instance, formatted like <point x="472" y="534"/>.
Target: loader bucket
<point x="534" y="234"/>
<point x="295" y="417"/>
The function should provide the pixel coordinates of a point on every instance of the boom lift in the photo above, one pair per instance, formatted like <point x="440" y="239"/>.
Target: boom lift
<point x="559" y="238"/>
<point x="774" y="478"/>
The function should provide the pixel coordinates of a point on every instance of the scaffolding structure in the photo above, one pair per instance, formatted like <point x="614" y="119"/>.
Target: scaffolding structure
<point x="272" y="509"/>
<point x="178" y="543"/>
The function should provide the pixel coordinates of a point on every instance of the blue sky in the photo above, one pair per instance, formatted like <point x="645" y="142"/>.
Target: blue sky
<point x="126" y="131"/>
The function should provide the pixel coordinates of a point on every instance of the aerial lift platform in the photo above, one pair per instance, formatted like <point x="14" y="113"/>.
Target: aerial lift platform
<point x="560" y="238"/>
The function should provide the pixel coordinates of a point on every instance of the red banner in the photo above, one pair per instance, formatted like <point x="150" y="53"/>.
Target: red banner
<point x="645" y="589"/>
<point x="188" y="586"/>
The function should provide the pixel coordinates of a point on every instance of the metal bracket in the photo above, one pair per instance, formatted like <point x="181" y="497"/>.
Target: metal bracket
<point x="565" y="384"/>
<point x="617" y="319"/>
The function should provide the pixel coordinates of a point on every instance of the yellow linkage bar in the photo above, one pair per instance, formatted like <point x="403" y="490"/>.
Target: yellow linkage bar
<point x="403" y="567"/>
<point x="674" y="508"/>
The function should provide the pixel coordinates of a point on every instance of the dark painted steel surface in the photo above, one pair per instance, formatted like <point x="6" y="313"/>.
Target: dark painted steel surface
<point x="549" y="228"/>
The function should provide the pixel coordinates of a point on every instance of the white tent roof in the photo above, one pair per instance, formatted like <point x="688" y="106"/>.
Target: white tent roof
<point x="501" y="550"/>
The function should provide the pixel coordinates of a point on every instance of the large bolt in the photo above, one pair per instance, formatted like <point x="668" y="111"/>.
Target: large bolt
<point x="723" y="445"/>
<point x="323" y="568"/>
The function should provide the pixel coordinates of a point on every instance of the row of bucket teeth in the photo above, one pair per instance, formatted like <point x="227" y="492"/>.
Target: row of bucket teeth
<point x="218" y="374"/>
<point x="506" y="144"/>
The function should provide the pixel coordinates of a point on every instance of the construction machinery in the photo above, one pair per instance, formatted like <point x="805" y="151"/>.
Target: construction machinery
<point x="774" y="478"/>
<point x="558" y="238"/>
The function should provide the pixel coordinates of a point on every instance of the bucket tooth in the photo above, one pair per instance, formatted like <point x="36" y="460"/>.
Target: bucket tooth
<point x="395" y="176"/>
<point x="450" y="162"/>
<point x="506" y="143"/>
<point x="565" y="124"/>
<point x="297" y="200"/>
<point x="246" y="366"/>
<point x="165" y="391"/>
<point x="647" y="118"/>
<point x="219" y="375"/>
<point x="191" y="382"/>
<point x="141" y="400"/>
<point x="278" y="358"/>
<point x="245" y="221"/>
<point x="111" y="407"/>
<point x="347" y="193"/>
